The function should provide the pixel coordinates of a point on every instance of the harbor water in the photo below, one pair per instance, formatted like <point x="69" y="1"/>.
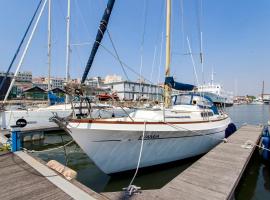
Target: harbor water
<point x="255" y="184"/>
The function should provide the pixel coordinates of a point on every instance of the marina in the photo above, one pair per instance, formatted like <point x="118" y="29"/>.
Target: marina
<point x="115" y="103"/>
<point x="217" y="164"/>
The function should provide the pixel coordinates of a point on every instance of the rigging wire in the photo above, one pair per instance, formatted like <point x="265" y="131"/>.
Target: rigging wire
<point x="193" y="62"/>
<point x="199" y="14"/>
<point x="182" y="22"/>
<point x="114" y="56"/>
<point x="160" y="59"/>
<point x="116" y="53"/>
<point x="19" y="47"/>
<point x="124" y="64"/>
<point x="152" y="69"/>
<point x="161" y="50"/>
<point x="25" y="49"/>
<point x="142" y="43"/>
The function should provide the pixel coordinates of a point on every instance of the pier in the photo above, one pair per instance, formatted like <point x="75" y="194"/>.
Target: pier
<point x="213" y="176"/>
<point x="24" y="177"/>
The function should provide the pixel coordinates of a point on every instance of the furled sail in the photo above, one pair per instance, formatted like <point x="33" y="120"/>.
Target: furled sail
<point x="178" y="86"/>
<point x="101" y="30"/>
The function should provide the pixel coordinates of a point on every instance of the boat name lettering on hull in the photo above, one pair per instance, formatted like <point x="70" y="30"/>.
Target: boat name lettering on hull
<point x="149" y="137"/>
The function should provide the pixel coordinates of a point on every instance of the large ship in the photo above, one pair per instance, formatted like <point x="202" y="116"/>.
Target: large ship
<point x="218" y="95"/>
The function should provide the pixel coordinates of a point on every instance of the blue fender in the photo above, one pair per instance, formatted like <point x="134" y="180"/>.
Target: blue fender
<point x="230" y="130"/>
<point x="266" y="144"/>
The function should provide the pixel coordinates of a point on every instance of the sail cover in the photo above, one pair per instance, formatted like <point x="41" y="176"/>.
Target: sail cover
<point x="178" y="86"/>
<point x="101" y="30"/>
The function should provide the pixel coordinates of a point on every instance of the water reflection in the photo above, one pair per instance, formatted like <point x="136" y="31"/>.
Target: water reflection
<point x="266" y="177"/>
<point x="93" y="177"/>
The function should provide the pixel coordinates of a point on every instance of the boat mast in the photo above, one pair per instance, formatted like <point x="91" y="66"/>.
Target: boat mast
<point x="167" y="89"/>
<point x="25" y="51"/>
<point x="262" y="90"/>
<point x="68" y="47"/>
<point x="49" y="45"/>
<point x="212" y="77"/>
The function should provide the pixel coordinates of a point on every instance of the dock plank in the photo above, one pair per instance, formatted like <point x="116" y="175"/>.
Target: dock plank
<point x="18" y="180"/>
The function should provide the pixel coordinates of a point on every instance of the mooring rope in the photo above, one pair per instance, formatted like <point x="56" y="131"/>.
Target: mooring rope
<point x="47" y="150"/>
<point x="131" y="189"/>
<point x="250" y="144"/>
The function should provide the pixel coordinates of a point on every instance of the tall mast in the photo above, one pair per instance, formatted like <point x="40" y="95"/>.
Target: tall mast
<point x="49" y="45"/>
<point x="212" y="77"/>
<point x="25" y="51"/>
<point x="68" y="47"/>
<point x="167" y="89"/>
<point x="263" y="90"/>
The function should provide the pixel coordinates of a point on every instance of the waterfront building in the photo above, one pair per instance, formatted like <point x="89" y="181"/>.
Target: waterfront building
<point x="35" y="93"/>
<point x="112" y="78"/>
<point x="56" y="82"/>
<point x="128" y="90"/>
<point x="94" y="82"/>
<point x="21" y="77"/>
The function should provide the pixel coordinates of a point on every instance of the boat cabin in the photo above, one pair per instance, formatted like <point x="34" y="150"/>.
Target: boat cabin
<point x="201" y="101"/>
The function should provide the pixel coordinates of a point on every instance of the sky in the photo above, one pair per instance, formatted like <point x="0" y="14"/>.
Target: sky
<point x="235" y="40"/>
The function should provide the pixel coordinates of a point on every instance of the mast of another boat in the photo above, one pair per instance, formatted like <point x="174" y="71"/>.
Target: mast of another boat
<point x="49" y="46"/>
<point x="167" y="89"/>
<point x="68" y="48"/>
<point x="212" y="77"/>
<point x="262" y="90"/>
<point x="25" y="51"/>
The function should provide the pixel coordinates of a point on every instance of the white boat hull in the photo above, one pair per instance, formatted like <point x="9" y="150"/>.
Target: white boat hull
<point x="37" y="118"/>
<point x="117" y="149"/>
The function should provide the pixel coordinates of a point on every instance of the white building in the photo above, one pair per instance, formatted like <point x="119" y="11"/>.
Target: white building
<point x="127" y="90"/>
<point x="112" y="79"/>
<point x="21" y="76"/>
<point x="94" y="82"/>
<point x="56" y="82"/>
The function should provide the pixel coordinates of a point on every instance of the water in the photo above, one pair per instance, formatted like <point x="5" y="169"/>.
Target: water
<point x="255" y="184"/>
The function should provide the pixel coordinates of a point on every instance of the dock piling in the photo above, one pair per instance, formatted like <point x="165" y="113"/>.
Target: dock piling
<point x="16" y="139"/>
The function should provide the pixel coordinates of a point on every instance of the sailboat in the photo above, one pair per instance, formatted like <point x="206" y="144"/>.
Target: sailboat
<point x="186" y="125"/>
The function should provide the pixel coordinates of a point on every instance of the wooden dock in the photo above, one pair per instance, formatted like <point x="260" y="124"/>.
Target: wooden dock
<point x="23" y="177"/>
<point x="214" y="176"/>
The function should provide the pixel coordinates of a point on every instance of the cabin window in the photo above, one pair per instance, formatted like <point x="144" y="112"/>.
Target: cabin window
<point x="207" y="114"/>
<point x="182" y="99"/>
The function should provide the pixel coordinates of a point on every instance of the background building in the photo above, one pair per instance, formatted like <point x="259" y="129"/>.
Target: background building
<point x="112" y="78"/>
<point x="128" y="90"/>
<point x="21" y="77"/>
<point x="95" y="82"/>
